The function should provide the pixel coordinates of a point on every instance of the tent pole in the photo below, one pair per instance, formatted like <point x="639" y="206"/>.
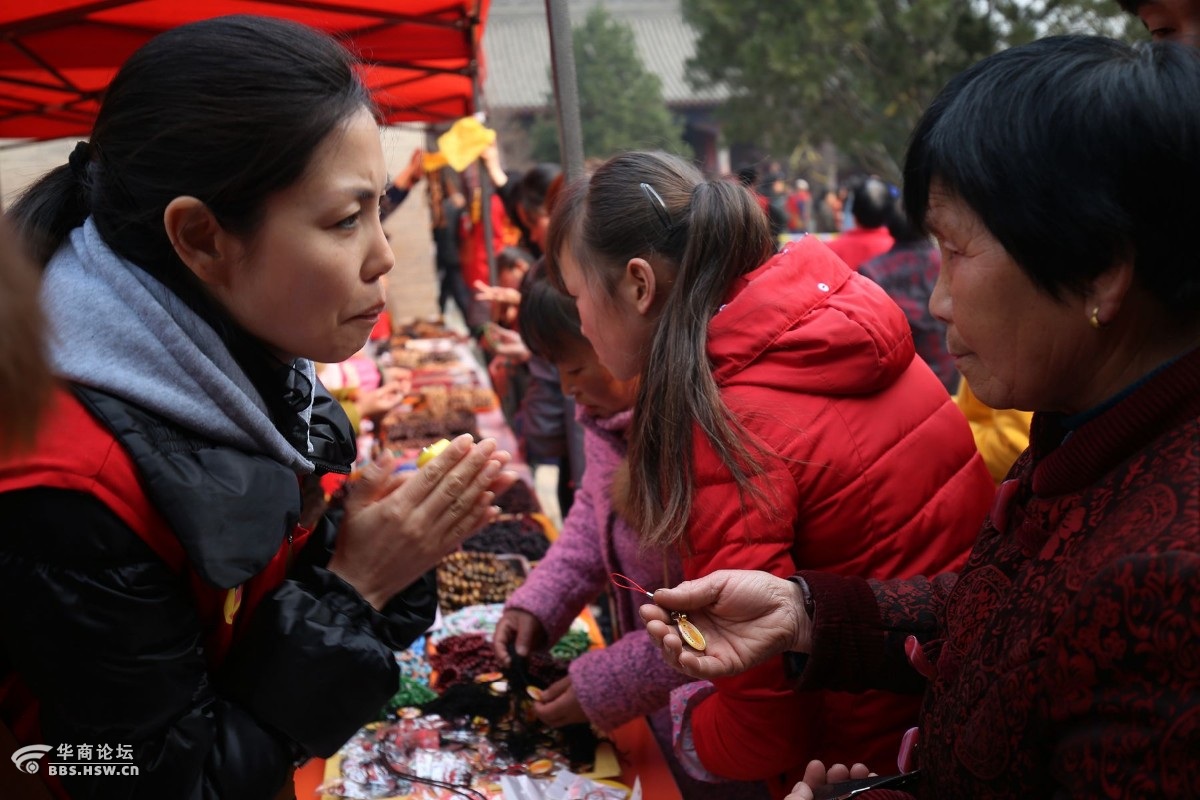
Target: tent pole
<point x="485" y="180"/>
<point x="566" y="89"/>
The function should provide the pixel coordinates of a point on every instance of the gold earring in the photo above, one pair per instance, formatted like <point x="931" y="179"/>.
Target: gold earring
<point x="1095" y="320"/>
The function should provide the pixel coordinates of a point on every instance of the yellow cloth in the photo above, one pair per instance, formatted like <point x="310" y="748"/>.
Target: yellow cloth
<point x="1001" y="435"/>
<point x="464" y="142"/>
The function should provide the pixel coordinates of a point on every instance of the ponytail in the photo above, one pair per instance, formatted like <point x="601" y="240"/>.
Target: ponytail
<point x="58" y="202"/>
<point x="655" y="206"/>
<point x="726" y="236"/>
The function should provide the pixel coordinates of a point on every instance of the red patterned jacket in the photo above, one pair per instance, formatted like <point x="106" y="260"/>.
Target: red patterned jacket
<point x="1064" y="661"/>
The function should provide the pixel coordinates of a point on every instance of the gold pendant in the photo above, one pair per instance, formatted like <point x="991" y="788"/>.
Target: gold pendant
<point x="690" y="634"/>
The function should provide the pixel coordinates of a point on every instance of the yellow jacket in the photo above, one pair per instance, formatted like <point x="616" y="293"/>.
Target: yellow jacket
<point x="1000" y="435"/>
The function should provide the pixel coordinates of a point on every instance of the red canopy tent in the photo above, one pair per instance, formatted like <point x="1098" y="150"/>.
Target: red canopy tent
<point x="56" y="56"/>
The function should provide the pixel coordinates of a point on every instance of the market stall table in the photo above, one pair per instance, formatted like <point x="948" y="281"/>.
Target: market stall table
<point x="638" y="755"/>
<point x="446" y="375"/>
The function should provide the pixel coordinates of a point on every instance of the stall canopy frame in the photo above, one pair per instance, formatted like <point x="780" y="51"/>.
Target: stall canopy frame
<point x="424" y="57"/>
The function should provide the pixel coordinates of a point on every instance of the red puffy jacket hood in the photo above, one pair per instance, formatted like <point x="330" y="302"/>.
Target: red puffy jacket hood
<point x="805" y="322"/>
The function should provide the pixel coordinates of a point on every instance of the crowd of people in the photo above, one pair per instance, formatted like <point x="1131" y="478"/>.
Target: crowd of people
<point x="918" y="508"/>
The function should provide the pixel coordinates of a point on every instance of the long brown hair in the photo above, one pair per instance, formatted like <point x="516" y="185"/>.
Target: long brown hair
<point x="708" y="233"/>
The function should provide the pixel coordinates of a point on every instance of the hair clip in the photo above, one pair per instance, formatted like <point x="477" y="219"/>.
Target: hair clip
<point x="656" y="201"/>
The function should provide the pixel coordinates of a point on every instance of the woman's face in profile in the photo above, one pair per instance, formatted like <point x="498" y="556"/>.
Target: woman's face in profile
<point x="617" y="332"/>
<point x="308" y="284"/>
<point x="1017" y="346"/>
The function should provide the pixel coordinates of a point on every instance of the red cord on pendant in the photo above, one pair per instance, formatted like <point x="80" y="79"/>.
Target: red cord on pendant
<point x="630" y="583"/>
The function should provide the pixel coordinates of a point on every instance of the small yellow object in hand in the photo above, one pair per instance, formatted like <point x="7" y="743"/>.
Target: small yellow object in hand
<point x="431" y="452"/>
<point x="688" y="631"/>
<point x="690" y="634"/>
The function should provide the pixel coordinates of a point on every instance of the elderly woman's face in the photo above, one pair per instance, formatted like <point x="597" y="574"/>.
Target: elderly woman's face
<point x="1172" y="20"/>
<point x="1017" y="346"/>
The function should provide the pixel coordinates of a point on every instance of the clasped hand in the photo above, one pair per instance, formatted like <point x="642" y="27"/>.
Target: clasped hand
<point x="398" y="526"/>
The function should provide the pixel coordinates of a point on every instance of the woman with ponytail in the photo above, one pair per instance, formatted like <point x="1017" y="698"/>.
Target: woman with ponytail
<point x="170" y="593"/>
<point x="783" y="422"/>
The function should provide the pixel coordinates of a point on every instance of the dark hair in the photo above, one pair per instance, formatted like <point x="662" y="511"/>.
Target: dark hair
<point x="179" y="120"/>
<point x="529" y="195"/>
<point x="898" y="225"/>
<point x="508" y="198"/>
<point x="707" y="233"/>
<point x="510" y="257"/>
<point x="535" y="183"/>
<point x="748" y="175"/>
<point x="228" y="110"/>
<point x="1076" y="153"/>
<point x="871" y="202"/>
<point x="547" y="318"/>
<point x="555" y="189"/>
<point x="1131" y="6"/>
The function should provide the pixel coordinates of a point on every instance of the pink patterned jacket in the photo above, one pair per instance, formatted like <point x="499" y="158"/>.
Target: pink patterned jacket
<point x="628" y="678"/>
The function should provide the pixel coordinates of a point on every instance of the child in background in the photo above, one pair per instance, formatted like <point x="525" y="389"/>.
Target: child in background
<point x="628" y="679"/>
<point x="512" y="263"/>
<point x="550" y="436"/>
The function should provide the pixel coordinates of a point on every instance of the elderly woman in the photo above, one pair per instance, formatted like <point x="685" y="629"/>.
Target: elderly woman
<point x="1064" y="659"/>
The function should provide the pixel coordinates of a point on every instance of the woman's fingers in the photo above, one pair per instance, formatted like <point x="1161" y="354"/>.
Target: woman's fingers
<point x="837" y="773"/>
<point x="446" y="487"/>
<point x="555" y="690"/>
<point x="500" y="639"/>
<point x="815" y="773"/>
<point x="399" y="525"/>
<point x="376" y="480"/>
<point x="652" y="613"/>
<point x="476" y="518"/>
<point x="529" y="630"/>
<point x="691" y="595"/>
<point x="672" y="647"/>
<point x="519" y="628"/>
